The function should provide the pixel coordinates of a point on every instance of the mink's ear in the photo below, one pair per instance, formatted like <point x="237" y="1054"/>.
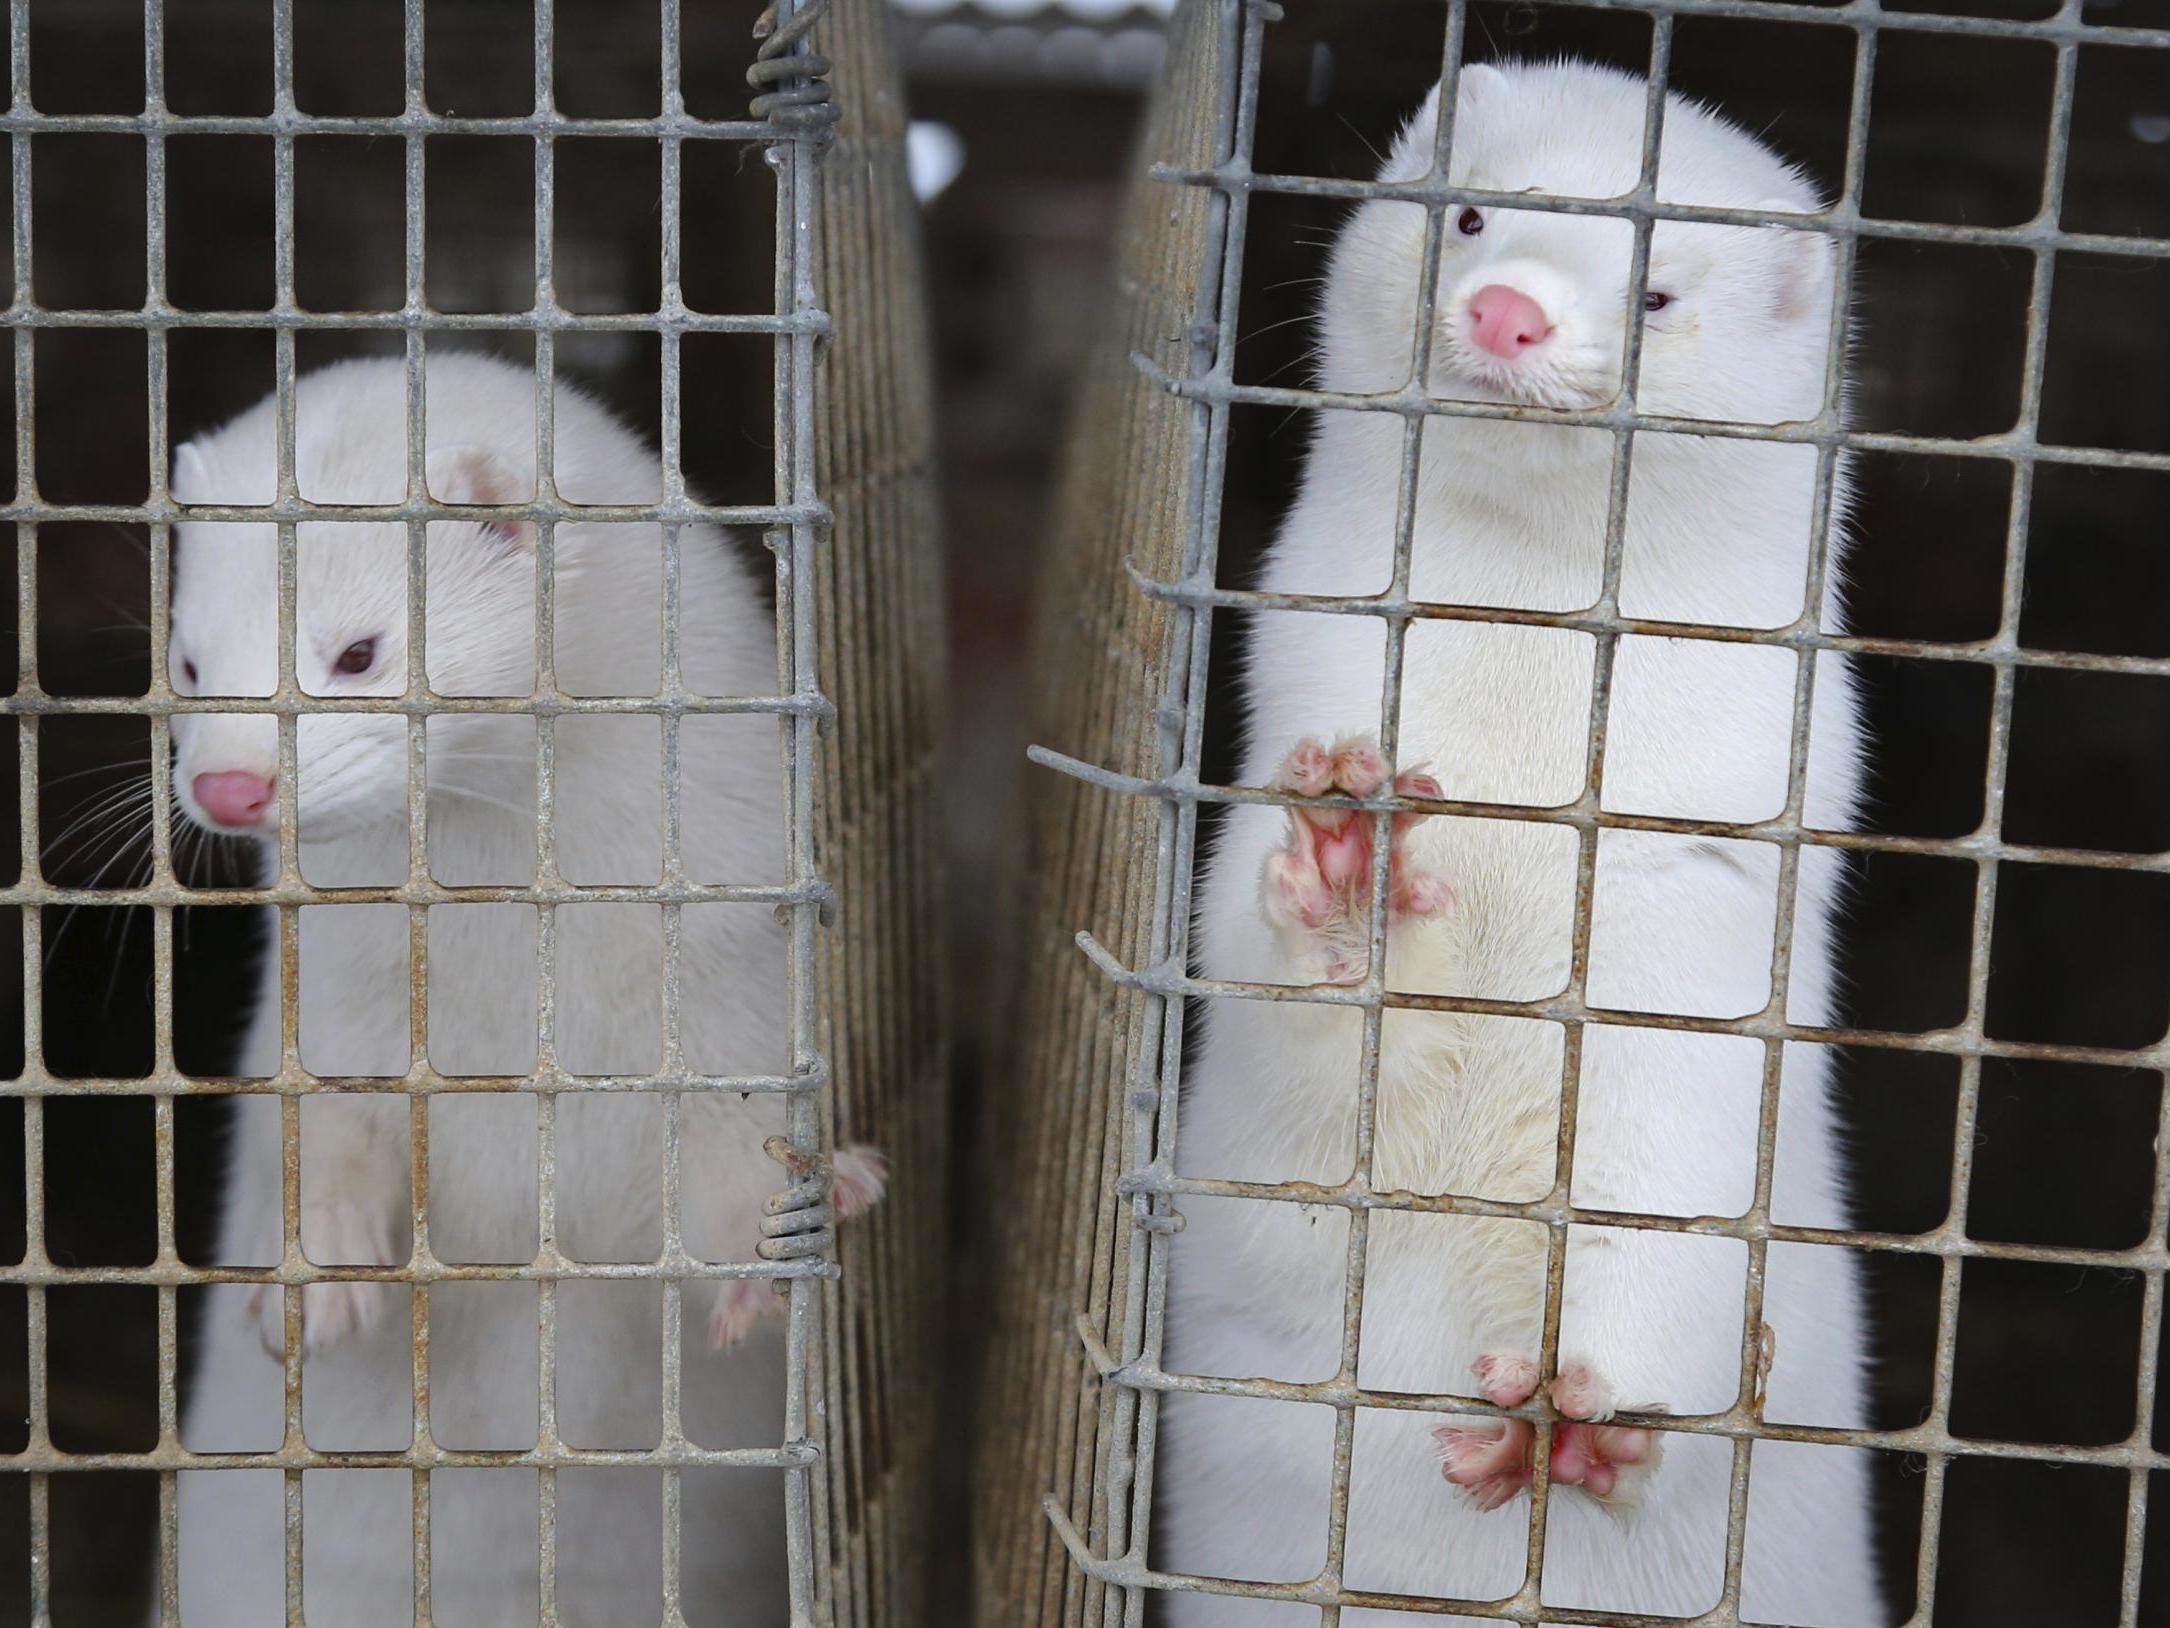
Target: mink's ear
<point x="1411" y="157"/>
<point x="1801" y="285"/>
<point x="1477" y="85"/>
<point x="469" y="474"/>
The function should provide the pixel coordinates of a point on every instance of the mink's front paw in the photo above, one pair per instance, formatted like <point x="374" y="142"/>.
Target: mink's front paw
<point x="858" y="1176"/>
<point x="741" y="1304"/>
<point x="1607" y="1461"/>
<point x="1490" y="1459"/>
<point x="335" y="1232"/>
<point x="1317" y="884"/>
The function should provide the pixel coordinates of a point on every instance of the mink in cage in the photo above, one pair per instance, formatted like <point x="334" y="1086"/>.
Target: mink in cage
<point x="461" y="794"/>
<point x="1956" y="1022"/>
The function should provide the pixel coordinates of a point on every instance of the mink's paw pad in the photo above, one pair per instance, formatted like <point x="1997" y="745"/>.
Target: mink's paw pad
<point x="1607" y="1461"/>
<point x="1580" y="1392"/>
<point x="1488" y="1459"/>
<point x="1507" y="1380"/>
<point x="1319" y="880"/>
<point x="741" y="1303"/>
<point x="858" y="1177"/>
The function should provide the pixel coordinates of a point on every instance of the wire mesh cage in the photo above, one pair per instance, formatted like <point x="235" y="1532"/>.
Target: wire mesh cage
<point x="1992" y="1058"/>
<point x="211" y="202"/>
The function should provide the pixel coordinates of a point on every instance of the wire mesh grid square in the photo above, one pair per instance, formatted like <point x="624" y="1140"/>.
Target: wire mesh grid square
<point x="1150" y="1190"/>
<point x="797" y="1258"/>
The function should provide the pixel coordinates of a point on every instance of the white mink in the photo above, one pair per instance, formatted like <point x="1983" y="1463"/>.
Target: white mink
<point x="355" y="1192"/>
<point x="1531" y="309"/>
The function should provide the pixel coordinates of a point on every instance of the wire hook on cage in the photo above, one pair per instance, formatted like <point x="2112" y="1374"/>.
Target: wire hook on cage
<point x="800" y="1221"/>
<point x="792" y="89"/>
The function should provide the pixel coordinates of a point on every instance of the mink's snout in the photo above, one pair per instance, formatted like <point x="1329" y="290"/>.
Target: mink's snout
<point x="225" y="771"/>
<point x="236" y="798"/>
<point x="1516" y="323"/>
<point x="1506" y="321"/>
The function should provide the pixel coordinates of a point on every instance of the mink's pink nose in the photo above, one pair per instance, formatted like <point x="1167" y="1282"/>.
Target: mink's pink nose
<point x="1506" y="321"/>
<point x="235" y="797"/>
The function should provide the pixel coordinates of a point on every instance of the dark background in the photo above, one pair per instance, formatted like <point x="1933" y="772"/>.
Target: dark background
<point x="1018" y="252"/>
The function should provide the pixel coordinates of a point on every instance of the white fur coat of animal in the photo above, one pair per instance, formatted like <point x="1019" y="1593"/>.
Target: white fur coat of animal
<point x="1514" y="515"/>
<point x="355" y="1172"/>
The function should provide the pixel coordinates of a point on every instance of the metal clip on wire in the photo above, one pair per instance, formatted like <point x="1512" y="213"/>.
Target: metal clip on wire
<point x="791" y="90"/>
<point x="799" y="1221"/>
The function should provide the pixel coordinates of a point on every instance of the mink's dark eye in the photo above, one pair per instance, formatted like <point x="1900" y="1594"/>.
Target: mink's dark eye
<point x="1470" y="223"/>
<point x="1654" y="301"/>
<point x="188" y="670"/>
<point x="358" y="657"/>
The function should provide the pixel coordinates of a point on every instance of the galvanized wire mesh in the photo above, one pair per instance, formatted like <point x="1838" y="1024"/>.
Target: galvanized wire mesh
<point x="1056" y="1110"/>
<point x="1097" y="1058"/>
<point x="854" y="628"/>
<point x="881" y="970"/>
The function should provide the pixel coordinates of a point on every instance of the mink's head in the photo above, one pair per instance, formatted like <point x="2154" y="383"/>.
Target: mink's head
<point x="351" y="587"/>
<point x="1531" y="306"/>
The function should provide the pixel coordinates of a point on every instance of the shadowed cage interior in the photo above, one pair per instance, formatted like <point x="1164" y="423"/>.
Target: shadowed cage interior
<point x="1999" y="180"/>
<point x="210" y="197"/>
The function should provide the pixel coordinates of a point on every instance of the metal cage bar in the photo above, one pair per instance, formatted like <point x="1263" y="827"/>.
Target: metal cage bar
<point x="1101" y="663"/>
<point x="879" y="591"/>
<point x="1146" y="753"/>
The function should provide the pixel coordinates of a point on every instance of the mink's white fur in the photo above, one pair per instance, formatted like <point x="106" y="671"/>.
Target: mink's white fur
<point x="1513" y="515"/>
<point x="355" y="1178"/>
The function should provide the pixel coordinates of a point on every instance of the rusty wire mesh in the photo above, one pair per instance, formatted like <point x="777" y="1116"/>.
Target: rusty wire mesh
<point x="1097" y="1044"/>
<point x="859" y="661"/>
